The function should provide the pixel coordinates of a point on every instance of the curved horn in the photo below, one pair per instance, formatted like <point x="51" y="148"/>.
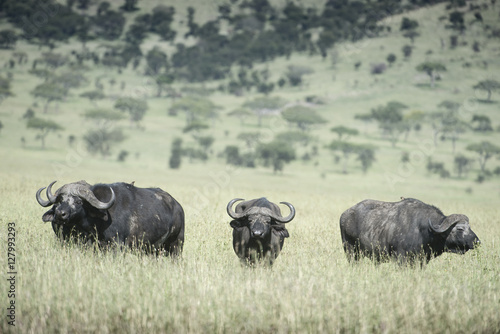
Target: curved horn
<point x="288" y="218"/>
<point x="40" y="200"/>
<point x="230" y="210"/>
<point x="51" y="197"/>
<point x="447" y="223"/>
<point x="88" y="195"/>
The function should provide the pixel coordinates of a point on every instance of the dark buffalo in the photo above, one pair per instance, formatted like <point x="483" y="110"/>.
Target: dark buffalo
<point x="408" y="231"/>
<point x="258" y="230"/>
<point x="116" y="213"/>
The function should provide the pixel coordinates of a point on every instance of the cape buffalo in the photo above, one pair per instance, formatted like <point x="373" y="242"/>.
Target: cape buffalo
<point x="408" y="231"/>
<point x="258" y="230"/>
<point x="116" y="213"/>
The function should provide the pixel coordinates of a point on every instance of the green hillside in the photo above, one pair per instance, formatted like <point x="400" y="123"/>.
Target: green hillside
<point x="436" y="141"/>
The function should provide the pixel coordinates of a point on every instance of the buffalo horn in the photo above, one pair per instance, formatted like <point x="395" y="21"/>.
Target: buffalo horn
<point x="88" y="195"/>
<point x="51" y="197"/>
<point x="40" y="200"/>
<point x="288" y="218"/>
<point x="445" y="226"/>
<point x="230" y="210"/>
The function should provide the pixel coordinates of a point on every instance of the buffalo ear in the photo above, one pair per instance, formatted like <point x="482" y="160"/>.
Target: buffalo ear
<point x="280" y="231"/>
<point x="49" y="215"/>
<point x="236" y="224"/>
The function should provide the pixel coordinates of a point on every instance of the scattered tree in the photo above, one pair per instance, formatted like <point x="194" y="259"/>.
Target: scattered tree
<point x="44" y="127"/>
<point x="481" y="123"/>
<point x="205" y="142"/>
<point x="49" y="92"/>
<point x="93" y="96"/>
<point x="135" y="107"/>
<point x="342" y="131"/>
<point x="100" y="140"/>
<point x="156" y="60"/>
<point x="276" y="154"/>
<point x="130" y="5"/>
<point x="366" y="153"/>
<point x="295" y="73"/>
<point x="163" y="80"/>
<point x="196" y="108"/>
<point x="251" y="139"/>
<point x="462" y="165"/>
<point x="407" y="50"/>
<point x="241" y="113"/>
<point x="8" y="38"/>
<point x="175" y="154"/>
<point x="485" y="151"/>
<point x="103" y="117"/>
<point x="431" y="69"/>
<point x="265" y="106"/>
<point x="4" y="89"/>
<point x="488" y="86"/>
<point x="302" y="116"/>
<point x="390" y="120"/>
<point x="294" y="137"/>
<point x="391" y="58"/>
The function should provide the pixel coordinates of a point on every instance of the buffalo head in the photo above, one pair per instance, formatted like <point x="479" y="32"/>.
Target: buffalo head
<point x="70" y="201"/>
<point x="259" y="220"/>
<point x="455" y="229"/>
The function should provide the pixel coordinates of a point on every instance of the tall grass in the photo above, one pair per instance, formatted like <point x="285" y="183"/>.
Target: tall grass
<point x="311" y="288"/>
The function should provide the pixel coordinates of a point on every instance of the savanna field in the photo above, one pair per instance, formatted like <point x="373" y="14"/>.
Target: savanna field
<point x="311" y="288"/>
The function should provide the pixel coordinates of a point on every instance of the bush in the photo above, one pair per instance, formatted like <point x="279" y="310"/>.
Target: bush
<point x="378" y="68"/>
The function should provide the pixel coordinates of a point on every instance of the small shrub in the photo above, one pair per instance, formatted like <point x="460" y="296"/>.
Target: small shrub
<point x="378" y="68"/>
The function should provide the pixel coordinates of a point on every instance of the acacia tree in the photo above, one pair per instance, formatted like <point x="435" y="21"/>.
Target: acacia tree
<point x="44" y="128"/>
<point x="431" y="69"/>
<point x="241" y="113"/>
<point x="103" y="117"/>
<point x="366" y="156"/>
<point x="276" y="154"/>
<point x="485" y="150"/>
<point x="347" y="149"/>
<point x="303" y="117"/>
<point x="196" y="109"/>
<point x="488" y="86"/>
<point x="265" y="106"/>
<point x="251" y="139"/>
<point x="135" y="107"/>
<point x="101" y="140"/>
<point x="93" y="96"/>
<point x="481" y="123"/>
<point x="163" y="80"/>
<point x="342" y="131"/>
<point x="49" y="92"/>
<point x="409" y="28"/>
<point x="413" y="121"/>
<point x="156" y="60"/>
<point x="295" y="137"/>
<point x="69" y="80"/>
<point x="462" y="164"/>
<point x="452" y="126"/>
<point x="4" y="89"/>
<point x="391" y="120"/>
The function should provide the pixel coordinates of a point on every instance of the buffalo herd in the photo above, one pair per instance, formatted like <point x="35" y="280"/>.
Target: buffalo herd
<point x="408" y="231"/>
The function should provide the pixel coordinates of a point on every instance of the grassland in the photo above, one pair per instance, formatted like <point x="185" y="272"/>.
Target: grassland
<point x="311" y="288"/>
